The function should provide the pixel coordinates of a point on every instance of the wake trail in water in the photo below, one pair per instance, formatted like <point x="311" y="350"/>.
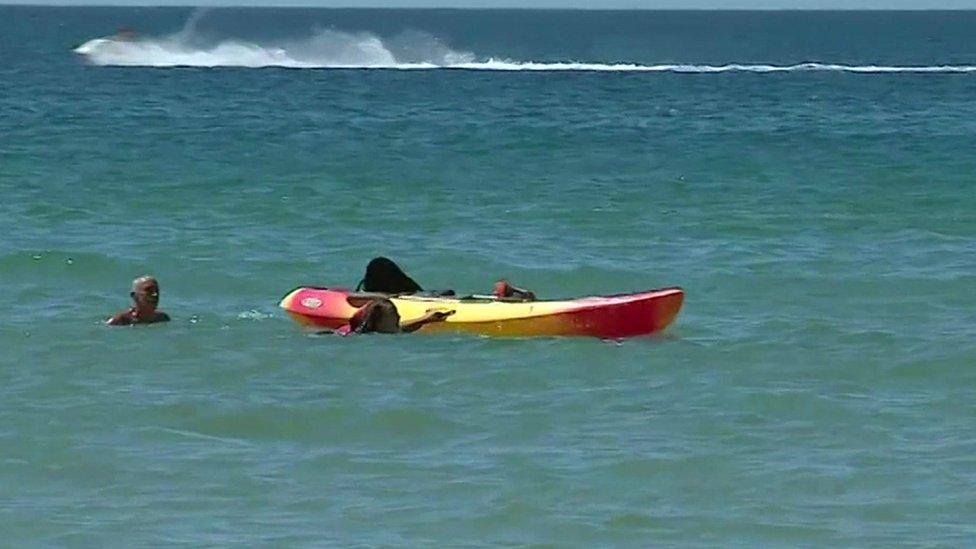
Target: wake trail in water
<point x="333" y="49"/>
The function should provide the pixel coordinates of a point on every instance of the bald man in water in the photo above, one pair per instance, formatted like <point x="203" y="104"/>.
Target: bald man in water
<point x="145" y="294"/>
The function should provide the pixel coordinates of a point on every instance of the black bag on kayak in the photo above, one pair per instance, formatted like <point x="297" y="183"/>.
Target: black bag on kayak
<point x="385" y="276"/>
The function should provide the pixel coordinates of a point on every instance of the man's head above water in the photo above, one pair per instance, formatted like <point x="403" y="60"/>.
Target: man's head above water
<point x="145" y="293"/>
<point x="145" y="298"/>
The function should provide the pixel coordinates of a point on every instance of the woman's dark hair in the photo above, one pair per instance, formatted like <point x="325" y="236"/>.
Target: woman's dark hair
<point x="385" y="276"/>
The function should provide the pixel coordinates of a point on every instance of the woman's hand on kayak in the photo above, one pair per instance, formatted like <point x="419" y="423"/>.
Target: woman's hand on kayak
<point x="434" y="315"/>
<point x="431" y="315"/>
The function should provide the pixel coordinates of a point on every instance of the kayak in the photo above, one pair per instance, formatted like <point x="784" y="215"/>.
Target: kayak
<point x="608" y="317"/>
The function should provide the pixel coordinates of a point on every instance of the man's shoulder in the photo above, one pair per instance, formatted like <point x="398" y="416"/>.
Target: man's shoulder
<point x="121" y="318"/>
<point x="128" y="318"/>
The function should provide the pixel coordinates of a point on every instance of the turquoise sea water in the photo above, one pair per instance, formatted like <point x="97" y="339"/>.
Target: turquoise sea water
<point x="815" y="200"/>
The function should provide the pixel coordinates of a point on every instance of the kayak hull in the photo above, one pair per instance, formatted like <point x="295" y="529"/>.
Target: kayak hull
<point x="608" y="317"/>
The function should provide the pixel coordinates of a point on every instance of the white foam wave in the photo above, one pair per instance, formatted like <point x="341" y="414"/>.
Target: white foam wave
<point x="331" y="49"/>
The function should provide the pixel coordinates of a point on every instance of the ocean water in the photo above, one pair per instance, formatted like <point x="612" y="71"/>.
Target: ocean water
<point x="807" y="178"/>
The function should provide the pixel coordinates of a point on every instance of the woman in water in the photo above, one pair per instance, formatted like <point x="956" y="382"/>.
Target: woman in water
<point x="381" y="316"/>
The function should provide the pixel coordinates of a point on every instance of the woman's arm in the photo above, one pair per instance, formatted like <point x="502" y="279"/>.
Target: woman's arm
<point x="430" y="316"/>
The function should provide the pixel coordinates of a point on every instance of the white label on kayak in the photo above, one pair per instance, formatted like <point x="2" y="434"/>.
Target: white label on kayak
<point x="311" y="302"/>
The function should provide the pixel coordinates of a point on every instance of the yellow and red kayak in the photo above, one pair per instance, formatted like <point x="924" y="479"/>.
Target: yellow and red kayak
<point x="609" y="317"/>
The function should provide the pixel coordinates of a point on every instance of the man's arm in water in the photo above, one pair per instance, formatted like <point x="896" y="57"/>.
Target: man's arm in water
<point x="430" y="316"/>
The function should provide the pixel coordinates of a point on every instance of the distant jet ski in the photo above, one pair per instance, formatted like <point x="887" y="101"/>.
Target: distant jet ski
<point x="128" y="49"/>
<point x="122" y="36"/>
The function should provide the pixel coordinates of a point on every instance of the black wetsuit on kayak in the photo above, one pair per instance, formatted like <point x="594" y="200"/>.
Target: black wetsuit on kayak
<point x="385" y="276"/>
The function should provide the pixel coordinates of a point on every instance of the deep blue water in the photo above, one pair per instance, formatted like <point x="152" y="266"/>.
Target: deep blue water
<point x="806" y="177"/>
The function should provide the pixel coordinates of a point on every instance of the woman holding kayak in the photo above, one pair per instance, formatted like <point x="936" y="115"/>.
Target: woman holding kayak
<point x="381" y="316"/>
